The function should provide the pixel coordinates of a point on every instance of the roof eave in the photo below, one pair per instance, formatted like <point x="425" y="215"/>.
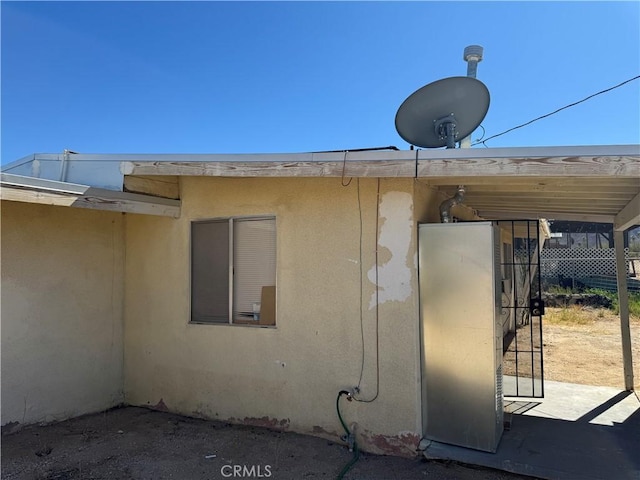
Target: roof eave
<point x="50" y="192"/>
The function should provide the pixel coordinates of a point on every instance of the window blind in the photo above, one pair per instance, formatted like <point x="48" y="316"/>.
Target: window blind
<point x="254" y="251"/>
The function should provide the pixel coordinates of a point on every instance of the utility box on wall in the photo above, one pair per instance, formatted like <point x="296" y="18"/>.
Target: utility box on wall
<point x="460" y="303"/>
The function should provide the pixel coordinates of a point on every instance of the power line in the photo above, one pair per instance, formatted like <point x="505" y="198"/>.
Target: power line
<point x="556" y="111"/>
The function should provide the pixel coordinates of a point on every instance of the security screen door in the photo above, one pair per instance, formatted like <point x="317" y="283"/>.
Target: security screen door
<point x="522" y="308"/>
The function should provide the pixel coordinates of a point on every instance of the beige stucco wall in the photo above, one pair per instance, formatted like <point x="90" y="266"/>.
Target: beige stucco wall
<point x="288" y="376"/>
<point x="61" y="313"/>
<point x="427" y="205"/>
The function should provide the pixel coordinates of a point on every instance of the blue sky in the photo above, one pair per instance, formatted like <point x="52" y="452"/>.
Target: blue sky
<point x="268" y="77"/>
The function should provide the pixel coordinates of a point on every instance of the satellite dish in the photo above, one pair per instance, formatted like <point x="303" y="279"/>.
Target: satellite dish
<point x="443" y="112"/>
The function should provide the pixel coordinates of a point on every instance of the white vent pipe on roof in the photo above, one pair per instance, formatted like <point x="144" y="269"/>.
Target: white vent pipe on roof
<point x="472" y="55"/>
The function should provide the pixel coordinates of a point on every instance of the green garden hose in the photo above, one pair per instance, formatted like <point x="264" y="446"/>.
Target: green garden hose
<point x="356" y="452"/>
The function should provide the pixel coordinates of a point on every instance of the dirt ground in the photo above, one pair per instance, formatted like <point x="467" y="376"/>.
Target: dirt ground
<point x="137" y="443"/>
<point x="583" y="345"/>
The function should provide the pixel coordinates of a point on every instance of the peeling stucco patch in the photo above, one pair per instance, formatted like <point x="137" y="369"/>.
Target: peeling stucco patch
<point x="322" y="432"/>
<point x="405" y="444"/>
<point x="266" y="422"/>
<point x="394" y="276"/>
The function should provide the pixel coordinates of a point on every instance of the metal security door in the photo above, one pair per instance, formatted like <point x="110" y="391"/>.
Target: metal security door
<point x="522" y="308"/>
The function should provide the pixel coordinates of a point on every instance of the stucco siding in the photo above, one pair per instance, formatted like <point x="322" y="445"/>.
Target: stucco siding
<point x="426" y="203"/>
<point x="62" y="302"/>
<point x="288" y="376"/>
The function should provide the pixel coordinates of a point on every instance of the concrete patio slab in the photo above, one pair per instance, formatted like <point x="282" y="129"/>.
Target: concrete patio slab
<point x="576" y="432"/>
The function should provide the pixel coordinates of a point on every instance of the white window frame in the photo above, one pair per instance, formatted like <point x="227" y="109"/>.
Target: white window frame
<point x="230" y="221"/>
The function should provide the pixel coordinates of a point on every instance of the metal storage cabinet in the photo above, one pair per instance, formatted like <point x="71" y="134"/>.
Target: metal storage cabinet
<point x="460" y="300"/>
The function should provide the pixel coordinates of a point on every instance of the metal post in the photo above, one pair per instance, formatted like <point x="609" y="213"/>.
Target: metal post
<point x="623" y="302"/>
<point x="451" y="135"/>
<point x="472" y="55"/>
<point x="63" y="165"/>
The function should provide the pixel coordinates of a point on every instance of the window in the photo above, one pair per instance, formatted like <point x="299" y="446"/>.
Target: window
<point x="233" y="271"/>
<point x="507" y="261"/>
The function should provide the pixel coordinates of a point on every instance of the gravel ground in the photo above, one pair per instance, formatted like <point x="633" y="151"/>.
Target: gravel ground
<point x="137" y="443"/>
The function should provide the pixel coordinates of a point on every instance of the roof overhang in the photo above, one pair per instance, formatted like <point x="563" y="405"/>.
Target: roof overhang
<point x="583" y="183"/>
<point x="587" y="183"/>
<point x="588" y="187"/>
<point x="50" y="192"/>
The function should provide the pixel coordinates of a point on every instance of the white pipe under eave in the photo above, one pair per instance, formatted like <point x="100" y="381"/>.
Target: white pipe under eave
<point x="623" y="301"/>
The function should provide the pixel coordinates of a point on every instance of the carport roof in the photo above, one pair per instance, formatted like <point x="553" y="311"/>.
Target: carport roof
<point x="585" y="183"/>
<point x="592" y="185"/>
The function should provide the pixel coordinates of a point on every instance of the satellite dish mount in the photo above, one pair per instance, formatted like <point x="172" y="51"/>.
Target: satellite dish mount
<point x="446" y="130"/>
<point x="441" y="113"/>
